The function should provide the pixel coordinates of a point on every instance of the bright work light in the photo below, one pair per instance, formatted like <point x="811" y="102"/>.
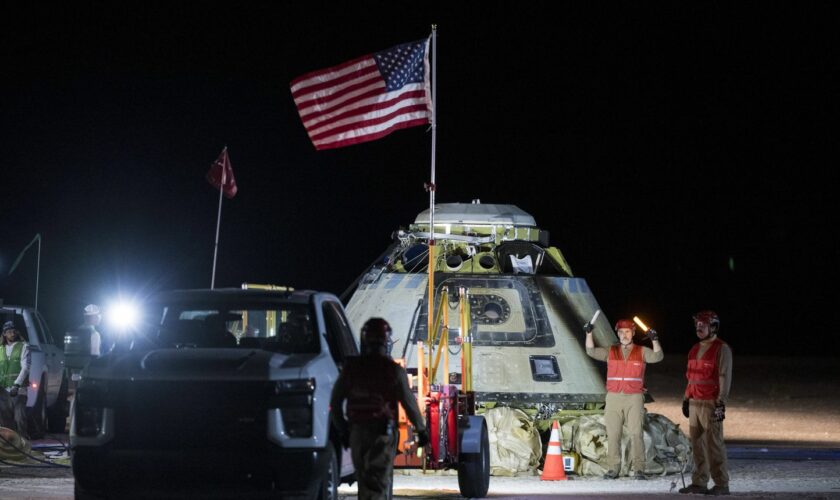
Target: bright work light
<point x="123" y="315"/>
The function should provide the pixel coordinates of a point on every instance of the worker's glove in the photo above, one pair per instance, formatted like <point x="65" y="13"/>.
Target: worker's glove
<point x="685" y="408"/>
<point x="13" y="392"/>
<point x="720" y="412"/>
<point x="422" y="438"/>
<point x="587" y="328"/>
<point x="652" y="335"/>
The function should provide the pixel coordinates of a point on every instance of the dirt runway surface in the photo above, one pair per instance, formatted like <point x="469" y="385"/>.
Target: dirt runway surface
<point x="775" y="402"/>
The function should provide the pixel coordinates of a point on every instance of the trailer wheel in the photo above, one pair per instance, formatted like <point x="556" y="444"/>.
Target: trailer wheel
<point x="474" y="468"/>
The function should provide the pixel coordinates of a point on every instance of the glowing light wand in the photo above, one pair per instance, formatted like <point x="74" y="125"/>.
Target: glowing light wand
<point x="639" y="322"/>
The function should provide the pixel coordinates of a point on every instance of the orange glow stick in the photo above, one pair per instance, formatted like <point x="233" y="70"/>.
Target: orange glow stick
<point x="641" y="325"/>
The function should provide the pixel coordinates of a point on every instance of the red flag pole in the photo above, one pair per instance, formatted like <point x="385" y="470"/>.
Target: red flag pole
<point x="219" y="218"/>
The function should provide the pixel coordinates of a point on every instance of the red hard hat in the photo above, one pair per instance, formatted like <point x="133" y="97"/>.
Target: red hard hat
<point x="708" y="317"/>
<point x="625" y="323"/>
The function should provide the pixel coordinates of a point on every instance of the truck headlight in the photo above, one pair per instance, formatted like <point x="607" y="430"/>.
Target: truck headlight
<point x="294" y="399"/>
<point x="89" y="421"/>
<point x="296" y="386"/>
<point x="90" y="409"/>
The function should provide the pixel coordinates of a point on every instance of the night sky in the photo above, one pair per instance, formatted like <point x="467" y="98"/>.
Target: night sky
<point x="682" y="155"/>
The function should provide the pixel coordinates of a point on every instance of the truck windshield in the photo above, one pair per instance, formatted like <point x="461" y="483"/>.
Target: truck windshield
<point x="286" y="328"/>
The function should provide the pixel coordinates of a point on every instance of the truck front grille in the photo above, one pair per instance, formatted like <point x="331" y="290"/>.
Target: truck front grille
<point x="177" y="415"/>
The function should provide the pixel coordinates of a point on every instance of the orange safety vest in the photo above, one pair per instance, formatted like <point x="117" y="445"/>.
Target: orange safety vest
<point x="626" y="375"/>
<point x="702" y="374"/>
<point x="373" y="394"/>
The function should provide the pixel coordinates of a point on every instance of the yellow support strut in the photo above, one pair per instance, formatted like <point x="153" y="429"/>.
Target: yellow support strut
<point x="466" y="340"/>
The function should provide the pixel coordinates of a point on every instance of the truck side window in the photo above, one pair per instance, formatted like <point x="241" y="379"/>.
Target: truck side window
<point x="337" y="333"/>
<point x="347" y="341"/>
<point x="44" y="329"/>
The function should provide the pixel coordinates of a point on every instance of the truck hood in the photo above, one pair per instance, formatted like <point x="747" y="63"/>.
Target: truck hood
<point x="235" y="364"/>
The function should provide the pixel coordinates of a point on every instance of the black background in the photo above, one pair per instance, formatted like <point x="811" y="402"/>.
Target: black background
<point x="682" y="155"/>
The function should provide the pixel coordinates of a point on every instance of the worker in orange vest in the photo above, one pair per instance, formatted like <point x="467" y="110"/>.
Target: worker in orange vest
<point x="709" y="377"/>
<point x="626" y="363"/>
<point x="373" y="385"/>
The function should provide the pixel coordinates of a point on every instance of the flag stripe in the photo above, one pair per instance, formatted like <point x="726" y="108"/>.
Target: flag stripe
<point x="339" y="143"/>
<point x="335" y="85"/>
<point x="356" y="101"/>
<point x="368" y="133"/>
<point x="370" y="102"/>
<point x="370" y="120"/>
<point x="365" y="98"/>
<point x="317" y="75"/>
<point x="372" y="112"/>
<point x="324" y="105"/>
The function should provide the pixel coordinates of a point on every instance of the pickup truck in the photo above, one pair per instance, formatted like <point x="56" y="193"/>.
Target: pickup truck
<point x="46" y="394"/>
<point x="224" y="393"/>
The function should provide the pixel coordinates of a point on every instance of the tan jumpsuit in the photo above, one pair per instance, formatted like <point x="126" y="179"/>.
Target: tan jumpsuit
<point x="708" y="448"/>
<point x="625" y="410"/>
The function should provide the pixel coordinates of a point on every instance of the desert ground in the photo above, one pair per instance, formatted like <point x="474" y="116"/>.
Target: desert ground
<point x="773" y="402"/>
<point x="776" y="404"/>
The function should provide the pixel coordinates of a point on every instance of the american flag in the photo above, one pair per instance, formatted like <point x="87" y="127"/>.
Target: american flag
<point x="366" y="98"/>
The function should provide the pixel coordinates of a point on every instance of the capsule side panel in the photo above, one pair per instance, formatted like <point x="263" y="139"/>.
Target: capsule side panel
<point x="392" y="296"/>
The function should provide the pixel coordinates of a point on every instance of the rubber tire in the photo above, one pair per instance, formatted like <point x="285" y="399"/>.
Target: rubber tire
<point x="58" y="412"/>
<point x="328" y="489"/>
<point x="37" y="415"/>
<point x="474" y="469"/>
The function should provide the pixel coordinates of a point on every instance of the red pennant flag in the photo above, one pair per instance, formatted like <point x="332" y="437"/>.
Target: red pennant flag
<point x="220" y="175"/>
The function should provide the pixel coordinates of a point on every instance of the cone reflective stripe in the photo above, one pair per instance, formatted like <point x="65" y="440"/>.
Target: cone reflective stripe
<point x="553" y="469"/>
<point x="554" y="449"/>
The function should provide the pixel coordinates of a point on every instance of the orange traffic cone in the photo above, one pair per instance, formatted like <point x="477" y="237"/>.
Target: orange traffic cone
<point x="553" y="469"/>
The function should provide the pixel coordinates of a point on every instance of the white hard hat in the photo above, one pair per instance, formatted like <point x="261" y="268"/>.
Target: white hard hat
<point x="91" y="310"/>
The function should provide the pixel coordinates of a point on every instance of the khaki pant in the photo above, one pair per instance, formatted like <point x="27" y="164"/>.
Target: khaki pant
<point x="625" y="410"/>
<point x="373" y="458"/>
<point x="707" y="444"/>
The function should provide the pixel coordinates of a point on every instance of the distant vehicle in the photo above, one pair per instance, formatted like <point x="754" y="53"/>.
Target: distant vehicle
<point x="46" y="395"/>
<point x="226" y="392"/>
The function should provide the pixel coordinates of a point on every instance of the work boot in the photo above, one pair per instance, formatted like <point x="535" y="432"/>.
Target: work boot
<point x="695" y="488"/>
<point x="718" y="490"/>
<point x="639" y="475"/>
<point x="611" y="474"/>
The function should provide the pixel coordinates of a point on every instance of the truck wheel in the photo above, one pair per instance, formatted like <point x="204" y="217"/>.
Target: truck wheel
<point x="474" y="469"/>
<point x="329" y="484"/>
<point x="57" y="413"/>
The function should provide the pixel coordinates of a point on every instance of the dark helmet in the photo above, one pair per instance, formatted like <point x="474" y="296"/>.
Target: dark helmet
<point x="625" y="323"/>
<point x="376" y="332"/>
<point x="708" y="317"/>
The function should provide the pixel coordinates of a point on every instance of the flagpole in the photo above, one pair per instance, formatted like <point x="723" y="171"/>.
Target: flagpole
<point x="432" y="187"/>
<point x="218" y="223"/>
